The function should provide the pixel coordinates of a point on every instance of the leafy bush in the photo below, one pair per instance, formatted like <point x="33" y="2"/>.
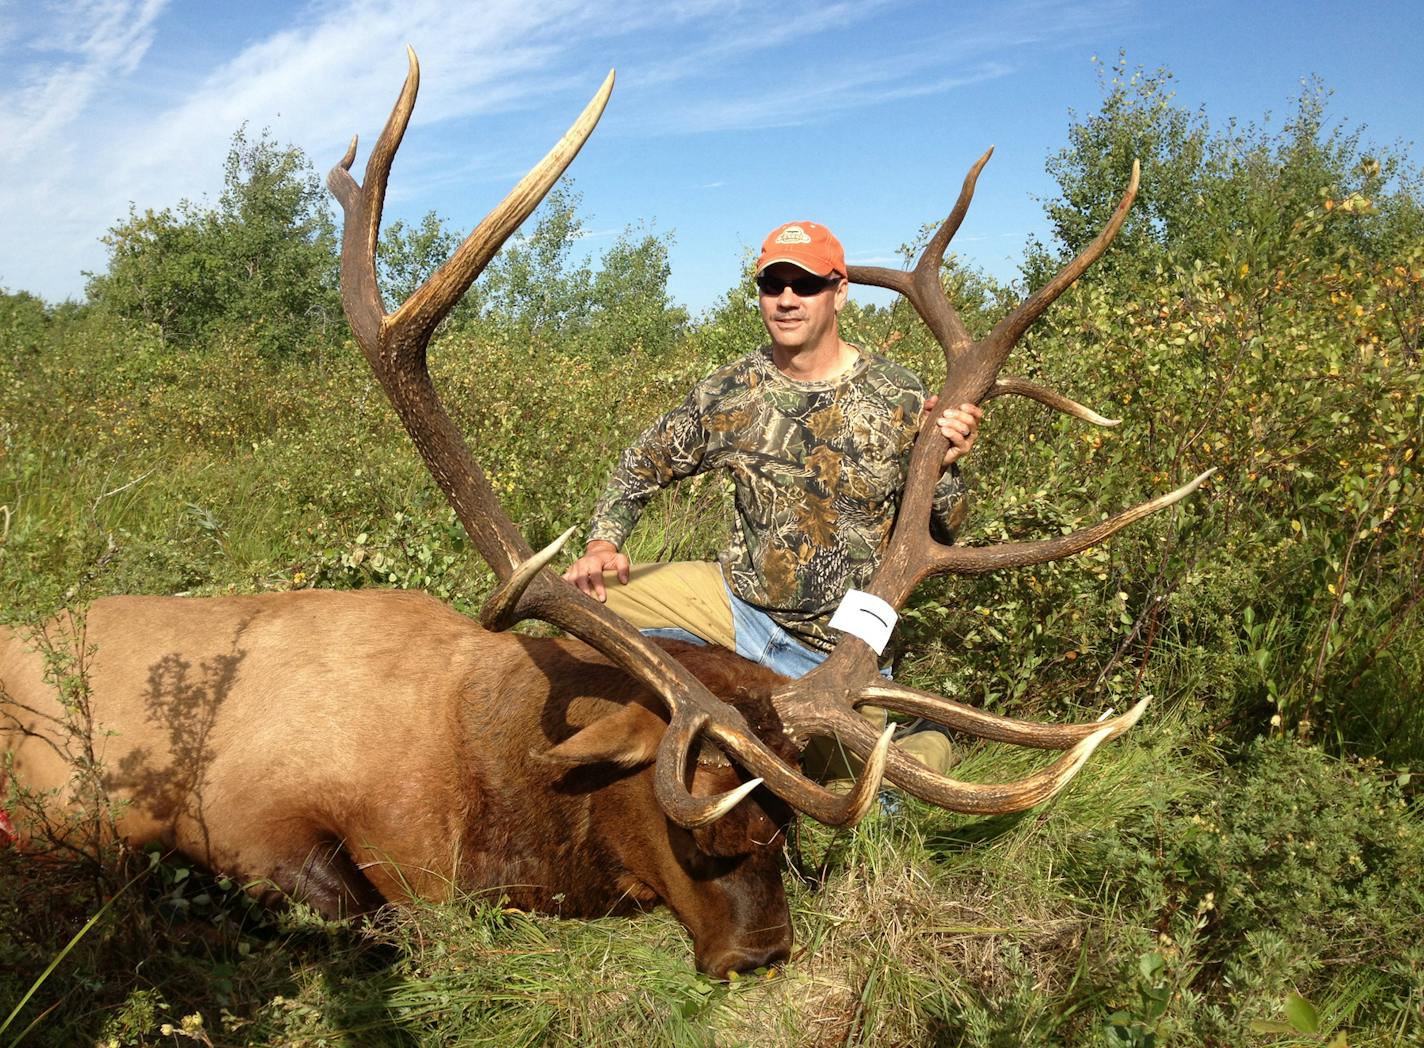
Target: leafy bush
<point x="262" y="262"/>
<point x="1290" y="873"/>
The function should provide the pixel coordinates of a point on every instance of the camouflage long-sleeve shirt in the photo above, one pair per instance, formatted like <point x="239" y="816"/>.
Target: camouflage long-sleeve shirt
<point x="817" y="469"/>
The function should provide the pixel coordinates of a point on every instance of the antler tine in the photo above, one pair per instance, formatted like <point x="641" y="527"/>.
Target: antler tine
<point x="1033" y="391"/>
<point x="501" y="608"/>
<point x="932" y="258"/>
<point x="982" y="724"/>
<point x="921" y="285"/>
<point x="1008" y="330"/>
<point x="893" y="279"/>
<point x="821" y="804"/>
<point x="383" y="154"/>
<point x="438" y="295"/>
<point x="971" y="798"/>
<point x="360" y="293"/>
<point x="826" y="807"/>
<point x="975" y="560"/>
<point x="930" y="300"/>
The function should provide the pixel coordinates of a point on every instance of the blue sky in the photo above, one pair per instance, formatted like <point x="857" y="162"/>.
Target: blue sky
<point x="728" y="118"/>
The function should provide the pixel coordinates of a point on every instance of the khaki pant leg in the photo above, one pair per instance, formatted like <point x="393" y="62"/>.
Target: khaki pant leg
<point x="826" y="760"/>
<point x="931" y="748"/>
<point x="689" y="595"/>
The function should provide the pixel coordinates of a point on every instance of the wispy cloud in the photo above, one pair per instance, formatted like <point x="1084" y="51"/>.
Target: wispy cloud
<point x="806" y="100"/>
<point x="84" y="45"/>
<point x="735" y="35"/>
<point x="785" y="79"/>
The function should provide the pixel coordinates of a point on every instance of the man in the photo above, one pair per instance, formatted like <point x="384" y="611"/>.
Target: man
<point x="816" y="434"/>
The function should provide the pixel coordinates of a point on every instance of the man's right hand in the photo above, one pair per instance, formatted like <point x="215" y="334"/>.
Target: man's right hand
<point x="587" y="572"/>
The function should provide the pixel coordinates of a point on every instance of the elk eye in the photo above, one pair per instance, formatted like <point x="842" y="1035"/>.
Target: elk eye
<point x="726" y="838"/>
<point x="705" y="837"/>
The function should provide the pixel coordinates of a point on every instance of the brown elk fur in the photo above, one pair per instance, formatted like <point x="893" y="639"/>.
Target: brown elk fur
<point x="358" y="748"/>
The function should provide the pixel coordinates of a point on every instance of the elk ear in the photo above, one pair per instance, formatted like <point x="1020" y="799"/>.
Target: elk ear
<point x="628" y="738"/>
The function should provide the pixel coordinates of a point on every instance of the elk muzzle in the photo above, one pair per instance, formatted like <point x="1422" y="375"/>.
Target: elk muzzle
<point x="748" y="927"/>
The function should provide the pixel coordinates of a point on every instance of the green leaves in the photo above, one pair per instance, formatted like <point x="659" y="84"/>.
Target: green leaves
<point x="263" y="262"/>
<point x="1302" y="1014"/>
<point x="1248" y="197"/>
<point x="1301" y="1018"/>
<point x="1141" y="1026"/>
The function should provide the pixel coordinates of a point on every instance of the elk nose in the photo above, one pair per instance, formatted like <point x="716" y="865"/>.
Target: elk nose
<point x="745" y="958"/>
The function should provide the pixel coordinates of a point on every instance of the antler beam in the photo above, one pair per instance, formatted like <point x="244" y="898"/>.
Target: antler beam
<point x="395" y="345"/>
<point x="823" y="701"/>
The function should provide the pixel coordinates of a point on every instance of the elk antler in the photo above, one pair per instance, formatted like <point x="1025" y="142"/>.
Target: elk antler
<point x="395" y="346"/>
<point x="823" y="701"/>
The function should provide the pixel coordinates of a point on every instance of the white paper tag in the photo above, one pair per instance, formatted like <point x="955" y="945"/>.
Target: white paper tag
<point x="866" y="616"/>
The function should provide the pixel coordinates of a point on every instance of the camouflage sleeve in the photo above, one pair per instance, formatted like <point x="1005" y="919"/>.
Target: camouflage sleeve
<point x="949" y="508"/>
<point x="669" y="449"/>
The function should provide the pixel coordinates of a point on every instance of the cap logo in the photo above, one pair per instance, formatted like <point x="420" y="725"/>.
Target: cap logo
<point x="793" y="235"/>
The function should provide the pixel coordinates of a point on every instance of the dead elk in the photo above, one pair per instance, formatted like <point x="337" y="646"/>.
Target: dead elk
<point x="354" y="748"/>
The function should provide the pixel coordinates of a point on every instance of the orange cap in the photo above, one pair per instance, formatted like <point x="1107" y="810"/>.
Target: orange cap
<point x="811" y="246"/>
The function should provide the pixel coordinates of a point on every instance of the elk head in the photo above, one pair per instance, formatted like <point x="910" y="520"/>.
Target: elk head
<point x="823" y="702"/>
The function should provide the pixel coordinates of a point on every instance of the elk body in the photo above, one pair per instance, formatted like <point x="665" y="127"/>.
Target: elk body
<point x="355" y="748"/>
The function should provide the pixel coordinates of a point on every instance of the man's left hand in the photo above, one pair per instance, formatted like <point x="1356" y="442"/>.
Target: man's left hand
<point x="960" y="426"/>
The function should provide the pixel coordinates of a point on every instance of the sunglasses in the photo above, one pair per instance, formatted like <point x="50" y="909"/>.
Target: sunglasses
<point x="803" y="287"/>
